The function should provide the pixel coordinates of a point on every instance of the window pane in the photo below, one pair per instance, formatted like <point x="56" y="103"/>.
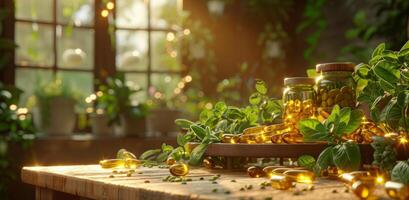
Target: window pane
<point x="165" y="84"/>
<point x="165" y="54"/>
<point x="164" y="13"/>
<point x="79" y="82"/>
<point x="35" y="44"/>
<point x="131" y="14"/>
<point x="34" y="9"/>
<point x="138" y="81"/>
<point x="78" y="12"/>
<point x="75" y="47"/>
<point x="132" y="50"/>
<point x="29" y="79"/>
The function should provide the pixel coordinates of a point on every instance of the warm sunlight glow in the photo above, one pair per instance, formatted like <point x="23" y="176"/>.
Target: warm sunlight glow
<point x="380" y="180"/>
<point x="110" y="5"/>
<point x="13" y="107"/>
<point x="104" y="13"/>
<point x="403" y="140"/>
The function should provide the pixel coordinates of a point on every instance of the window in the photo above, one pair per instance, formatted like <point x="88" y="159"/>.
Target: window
<point x="57" y="38"/>
<point x="145" y="45"/>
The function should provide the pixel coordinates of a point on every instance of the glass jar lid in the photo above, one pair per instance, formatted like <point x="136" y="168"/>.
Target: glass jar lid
<point x="335" y="66"/>
<point x="299" y="80"/>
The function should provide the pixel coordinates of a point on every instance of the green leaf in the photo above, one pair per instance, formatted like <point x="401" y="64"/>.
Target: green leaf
<point x="347" y="156"/>
<point x="385" y="73"/>
<point x="166" y="148"/>
<point x="255" y="99"/>
<point x="220" y="106"/>
<point x="183" y="123"/>
<point x="332" y="117"/>
<point x="162" y="157"/>
<point x="313" y="130"/>
<point x="233" y="113"/>
<point x="405" y="46"/>
<point x="378" y="50"/>
<point x="150" y="154"/>
<point x="196" y="155"/>
<point x="198" y="131"/>
<point x="400" y="173"/>
<point x="306" y="161"/>
<point x="325" y="158"/>
<point x="261" y="86"/>
<point x="354" y="121"/>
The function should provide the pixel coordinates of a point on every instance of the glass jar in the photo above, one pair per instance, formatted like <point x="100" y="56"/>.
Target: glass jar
<point x="298" y="99"/>
<point x="335" y="85"/>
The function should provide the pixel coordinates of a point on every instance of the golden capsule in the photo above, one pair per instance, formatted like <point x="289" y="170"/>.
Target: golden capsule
<point x="249" y="139"/>
<point x="351" y="177"/>
<point x="254" y="130"/>
<point x="170" y="161"/>
<point x="179" y="169"/>
<point x="208" y="163"/>
<point x="124" y="154"/>
<point x="280" y="170"/>
<point x="301" y="176"/>
<point x="362" y="189"/>
<point x="112" y="163"/>
<point x="261" y="138"/>
<point x="132" y="163"/>
<point x="230" y="138"/>
<point x="332" y="172"/>
<point x="276" y="139"/>
<point x="269" y="169"/>
<point x="255" y="172"/>
<point x="292" y="138"/>
<point x="274" y="127"/>
<point x="397" y="190"/>
<point x="280" y="182"/>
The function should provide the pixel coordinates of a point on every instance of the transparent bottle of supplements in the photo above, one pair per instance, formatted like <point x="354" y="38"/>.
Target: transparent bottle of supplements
<point x="299" y="99"/>
<point x="335" y="85"/>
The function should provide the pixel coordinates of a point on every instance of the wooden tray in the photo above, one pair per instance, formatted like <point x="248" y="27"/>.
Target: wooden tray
<point x="282" y="150"/>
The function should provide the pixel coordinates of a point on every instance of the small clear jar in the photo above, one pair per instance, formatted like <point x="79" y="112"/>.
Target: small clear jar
<point x="298" y="99"/>
<point x="335" y="85"/>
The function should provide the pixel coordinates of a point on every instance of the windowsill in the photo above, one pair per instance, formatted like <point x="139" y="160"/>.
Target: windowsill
<point x="91" y="137"/>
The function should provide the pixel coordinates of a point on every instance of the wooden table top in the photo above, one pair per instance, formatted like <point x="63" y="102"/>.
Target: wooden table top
<point x="91" y="181"/>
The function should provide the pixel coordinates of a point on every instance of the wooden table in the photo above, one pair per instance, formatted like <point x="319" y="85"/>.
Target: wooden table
<point x="93" y="182"/>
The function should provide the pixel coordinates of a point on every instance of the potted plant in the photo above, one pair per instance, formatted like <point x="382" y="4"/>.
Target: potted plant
<point x="115" y="99"/>
<point x="54" y="112"/>
<point x="166" y="102"/>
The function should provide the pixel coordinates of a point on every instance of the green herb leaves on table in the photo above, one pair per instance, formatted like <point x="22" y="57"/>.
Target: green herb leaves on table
<point x="400" y="172"/>
<point x="341" y="153"/>
<point x="384" y="153"/>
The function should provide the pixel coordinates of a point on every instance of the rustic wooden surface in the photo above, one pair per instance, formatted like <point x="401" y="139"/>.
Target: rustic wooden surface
<point x="91" y="181"/>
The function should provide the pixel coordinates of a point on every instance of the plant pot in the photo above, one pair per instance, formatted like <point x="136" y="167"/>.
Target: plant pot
<point x="99" y="124"/>
<point x="55" y="118"/>
<point x="131" y="126"/>
<point x="161" y="121"/>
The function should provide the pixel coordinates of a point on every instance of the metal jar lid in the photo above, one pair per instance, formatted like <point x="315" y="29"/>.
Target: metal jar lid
<point x="299" y="80"/>
<point x="335" y="66"/>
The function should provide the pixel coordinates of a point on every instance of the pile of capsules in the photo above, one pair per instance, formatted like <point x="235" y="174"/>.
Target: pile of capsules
<point x="329" y="97"/>
<point x="127" y="162"/>
<point x="296" y="110"/>
<point x="282" y="177"/>
<point x="365" y="132"/>
<point x="363" y="184"/>
<point x="276" y="133"/>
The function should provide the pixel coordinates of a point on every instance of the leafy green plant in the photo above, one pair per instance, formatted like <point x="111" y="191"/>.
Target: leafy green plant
<point x="47" y="91"/>
<point x="341" y="153"/>
<point x="400" y="172"/>
<point x="116" y="99"/>
<point x="383" y="84"/>
<point x="388" y="21"/>
<point x="269" y="109"/>
<point x="384" y="153"/>
<point x="314" y="23"/>
<point x="16" y="128"/>
<point x="220" y="119"/>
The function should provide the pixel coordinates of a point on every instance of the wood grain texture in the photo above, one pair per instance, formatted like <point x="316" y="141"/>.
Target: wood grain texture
<point x="91" y="181"/>
<point x="44" y="194"/>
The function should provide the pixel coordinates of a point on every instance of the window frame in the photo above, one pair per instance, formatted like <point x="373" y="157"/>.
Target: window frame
<point x="104" y="61"/>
